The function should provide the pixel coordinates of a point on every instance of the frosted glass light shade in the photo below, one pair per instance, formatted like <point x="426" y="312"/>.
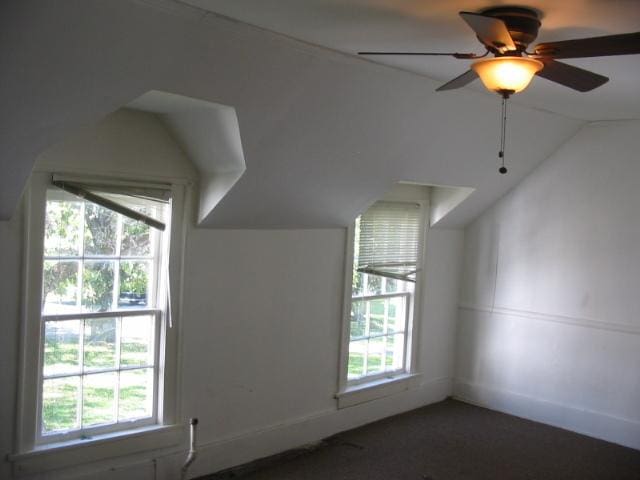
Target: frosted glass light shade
<point x="506" y="74"/>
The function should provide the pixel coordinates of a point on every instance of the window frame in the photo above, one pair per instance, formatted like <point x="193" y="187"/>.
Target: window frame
<point x="28" y="432"/>
<point x="366" y="388"/>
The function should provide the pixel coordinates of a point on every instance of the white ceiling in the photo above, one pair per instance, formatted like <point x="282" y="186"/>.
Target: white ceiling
<point x="433" y="25"/>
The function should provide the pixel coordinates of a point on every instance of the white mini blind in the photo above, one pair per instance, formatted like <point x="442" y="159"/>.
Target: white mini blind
<point x="388" y="240"/>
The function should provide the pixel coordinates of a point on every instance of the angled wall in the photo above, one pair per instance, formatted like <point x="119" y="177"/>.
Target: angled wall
<point x="549" y="321"/>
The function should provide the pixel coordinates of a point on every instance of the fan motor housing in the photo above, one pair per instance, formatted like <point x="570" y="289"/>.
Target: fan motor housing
<point x="523" y="23"/>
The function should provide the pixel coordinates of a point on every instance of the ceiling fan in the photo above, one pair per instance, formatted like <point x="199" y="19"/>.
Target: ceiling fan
<point x="507" y="32"/>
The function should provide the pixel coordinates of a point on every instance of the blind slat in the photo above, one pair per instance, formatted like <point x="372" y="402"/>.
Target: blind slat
<point x="389" y="236"/>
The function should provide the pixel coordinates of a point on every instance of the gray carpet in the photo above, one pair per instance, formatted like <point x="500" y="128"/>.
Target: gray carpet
<point x="450" y="440"/>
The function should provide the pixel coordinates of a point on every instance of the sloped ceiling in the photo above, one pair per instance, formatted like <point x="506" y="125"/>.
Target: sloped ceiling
<point x="350" y="26"/>
<point x="323" y="134"/>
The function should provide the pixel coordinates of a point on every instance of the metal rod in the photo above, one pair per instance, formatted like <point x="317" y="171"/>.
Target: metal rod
<point x="395" y="276"/>
<point x="104" y="202"/>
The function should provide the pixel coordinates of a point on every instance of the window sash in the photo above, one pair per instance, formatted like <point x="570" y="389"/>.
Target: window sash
<point x="408" y="296"/>
<point x="43" y="438"/>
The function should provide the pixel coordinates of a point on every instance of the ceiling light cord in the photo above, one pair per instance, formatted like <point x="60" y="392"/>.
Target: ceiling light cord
<point x="503" y="132"/>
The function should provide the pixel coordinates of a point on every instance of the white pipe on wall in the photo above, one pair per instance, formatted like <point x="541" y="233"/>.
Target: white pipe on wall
<point x="191" y="456"/>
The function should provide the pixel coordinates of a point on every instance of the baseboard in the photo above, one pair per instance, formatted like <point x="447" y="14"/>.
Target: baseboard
<point x="249" y="446"/>
<point x="600" y="425"/>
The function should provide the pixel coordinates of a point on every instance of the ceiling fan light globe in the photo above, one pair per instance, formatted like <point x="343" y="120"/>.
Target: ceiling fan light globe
<point x="507" y="74"/>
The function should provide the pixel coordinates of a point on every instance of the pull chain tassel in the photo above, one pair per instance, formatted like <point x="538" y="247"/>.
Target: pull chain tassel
<point x="503" y="131"/>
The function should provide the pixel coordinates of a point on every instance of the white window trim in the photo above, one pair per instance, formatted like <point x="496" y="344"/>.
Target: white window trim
<point x="366" y="389"/>
<point x="33" y="457"/>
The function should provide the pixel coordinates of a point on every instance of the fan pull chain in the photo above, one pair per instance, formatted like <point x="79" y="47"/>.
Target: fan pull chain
<point x="503" y="135"/>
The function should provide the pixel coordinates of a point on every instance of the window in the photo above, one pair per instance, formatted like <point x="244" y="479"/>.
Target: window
<point x="98" y="309"/>
<point x="387" y="244"/>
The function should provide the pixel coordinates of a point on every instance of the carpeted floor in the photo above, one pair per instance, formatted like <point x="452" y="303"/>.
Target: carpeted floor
<point x="450" y="440"/>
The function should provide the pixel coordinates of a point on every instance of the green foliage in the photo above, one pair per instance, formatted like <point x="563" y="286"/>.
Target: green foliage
<point x="97" y="287"/>
<point x="374" y="286"/>
<point x="136" y="238"/>
<point x="134" y="395"/>
<point x="356" y="283"/>
<point x="374" y="363"/>
<point x="62" y="232"/>
<point x="100" y="343"/>
<point x="100" y="232"/>
<point x="60" y="404"/>
<point x="59" y="278"/>
<point x="57" y="353"/>
<point x="389" y="358"/>
<point x="356" y="364"/>
<point x="133" y="353"/>
<point x="134" y="277"/>
<point x="358" y="320"/>
<point x="97" y="406"/>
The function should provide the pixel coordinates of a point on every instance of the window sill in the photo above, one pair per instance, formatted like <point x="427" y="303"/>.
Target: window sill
<point x="64" y="454"/>
<point x="367" y="392"/>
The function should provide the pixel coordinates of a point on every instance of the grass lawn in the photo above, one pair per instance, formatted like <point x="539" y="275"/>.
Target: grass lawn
<point x="62" y="408"/>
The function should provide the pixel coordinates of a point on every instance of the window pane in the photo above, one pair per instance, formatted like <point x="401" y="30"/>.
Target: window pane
<point x="62" y="229"/>
<point x="98" y="398"/>
<point x="60" y="287"/>
<point x="374" y="285"/>
<point x="134" y="284"/>
<point x="357" y="354"/>
<point x="136" y="394"/>
<point x="394" y="354"/>
<point x="97" y="286"/>
<point x="60" y="404"/>
<point x="376" y="317"/>
<point x="61" y="347"/>
<point x="136" y="238"/>
<point x="396" y="315"/>
<point x="358" y="320"/>
<point x="357" y="284"/>
<point x="100" y="230"/>
<point x="375" y="355"/>
<point x="99" y="343"/>
<point x="136" y="344"/>
<point x="391" y="285"/>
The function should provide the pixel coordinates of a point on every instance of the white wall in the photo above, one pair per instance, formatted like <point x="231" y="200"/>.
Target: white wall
<point x="323" y="134"/>
<point x="549" y="324"/>
<point x="125" y="142"/>
<point x="260" y="327"/>
<point x="10" y="266"/>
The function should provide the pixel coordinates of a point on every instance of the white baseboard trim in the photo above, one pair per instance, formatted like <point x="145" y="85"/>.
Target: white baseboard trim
<point x="249" y="446"/>
<point x="622" y="431"/>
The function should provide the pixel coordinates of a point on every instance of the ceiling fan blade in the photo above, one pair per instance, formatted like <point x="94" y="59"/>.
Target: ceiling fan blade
<point x="623" y="44"/>
<point x="570" y="76"/>
<point x="459" y="82"/>
<point x="490" y="30"/>
<point x="456" y="55"/>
